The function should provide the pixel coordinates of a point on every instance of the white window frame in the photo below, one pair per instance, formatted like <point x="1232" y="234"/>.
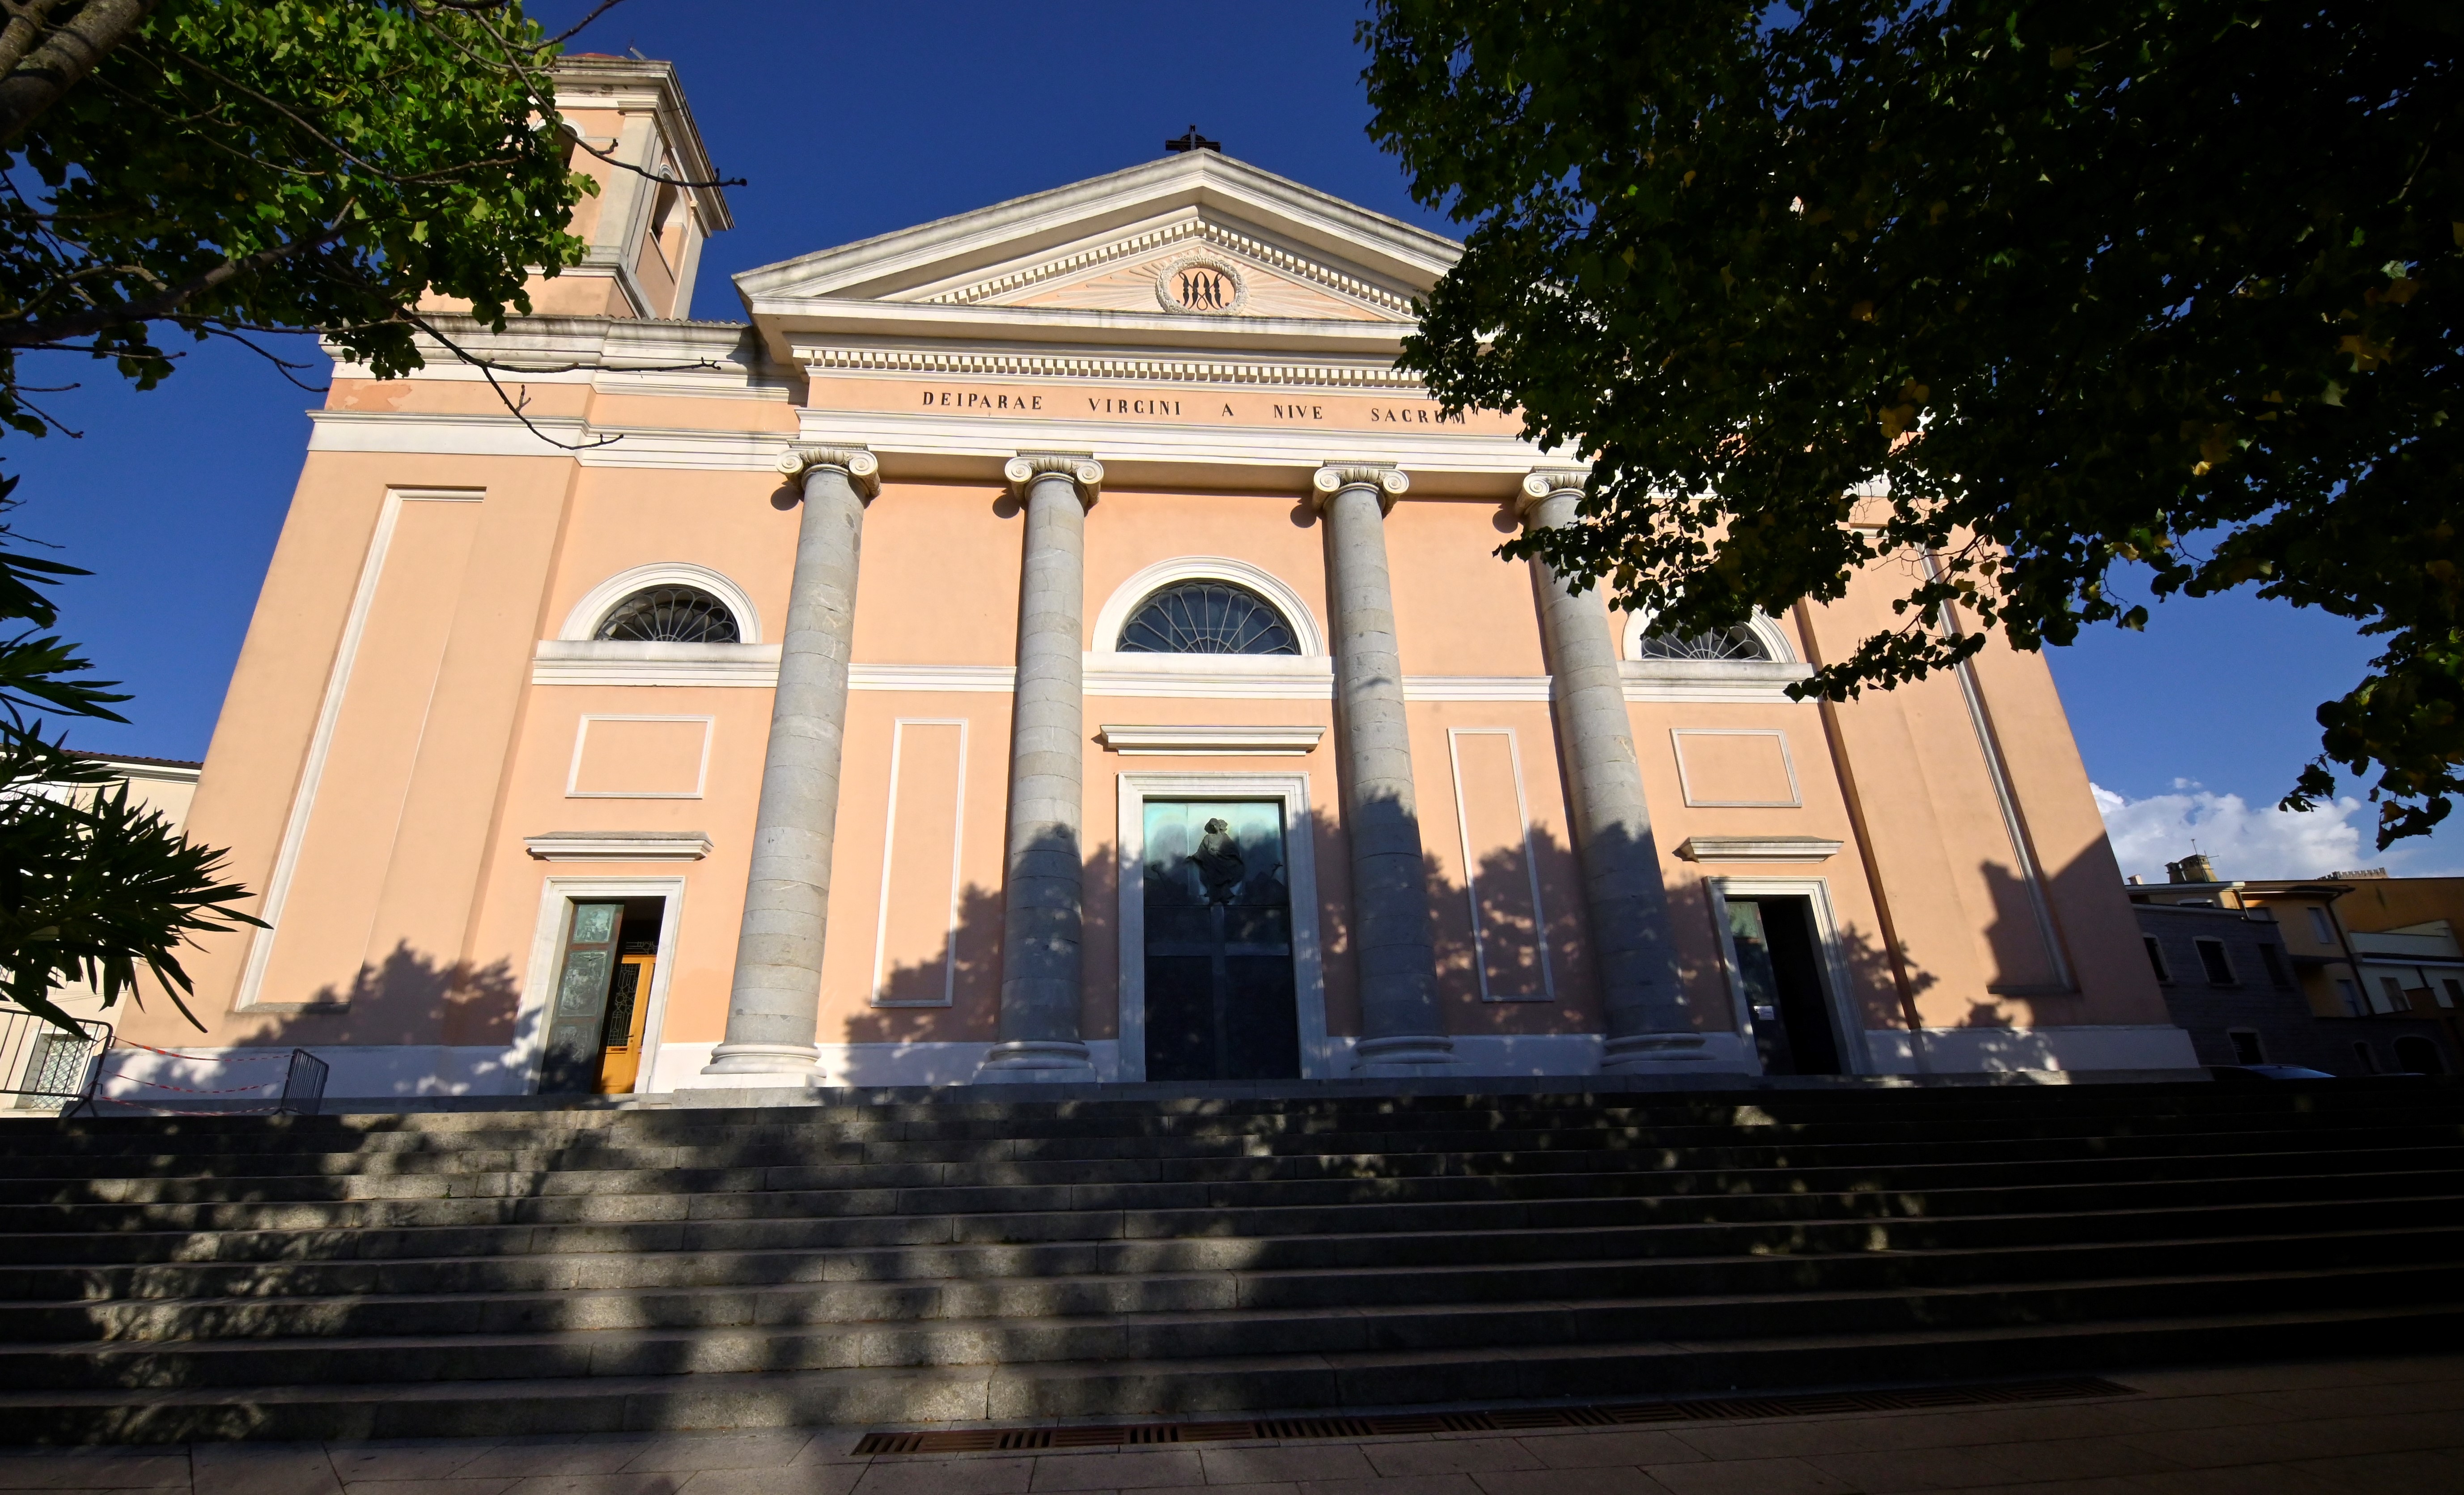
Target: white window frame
<point x="1318" y="1058"/>
<point x="582" y="623"/>
<point x="1767" y="632"/>
<point x="1838" y="994"/>
<point x="557" y="895"/>
<point x="1126" y="598"/>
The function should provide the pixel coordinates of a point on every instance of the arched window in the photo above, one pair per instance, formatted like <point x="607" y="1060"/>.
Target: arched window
<point x="668" y="615"/>
<point x="1737" y="643"/>
<point x="1207" y="618"/>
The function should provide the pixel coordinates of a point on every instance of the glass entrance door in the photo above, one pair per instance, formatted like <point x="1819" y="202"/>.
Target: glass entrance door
<point x="1220" y="999"/>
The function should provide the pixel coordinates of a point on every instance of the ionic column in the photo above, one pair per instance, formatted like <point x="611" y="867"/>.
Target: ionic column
<point x="1402" y="1031"/>
<point x="1648" y="1025"/>
<point x="775" y="1001"/>
<point x="1043" y="906"/>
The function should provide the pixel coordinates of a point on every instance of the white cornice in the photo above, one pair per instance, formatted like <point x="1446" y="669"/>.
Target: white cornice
<point x="822" y="361"/>
<point x="1221" y="677"/>
<point x="1177" y="740"/>
<point x="1758" y="848"/>
<point x="620" y="845"/>
<point x="590" y="662"/>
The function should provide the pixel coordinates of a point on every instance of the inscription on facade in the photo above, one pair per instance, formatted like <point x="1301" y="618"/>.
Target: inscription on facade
<point x="1187" y="407"/>
<point x="970" y="400"/>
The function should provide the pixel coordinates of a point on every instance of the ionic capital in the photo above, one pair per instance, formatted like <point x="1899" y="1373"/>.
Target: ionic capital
<point x="1388" y="483"/>
<point x="861" y="467"/>
<point x="1084" y="473"/>
<point x="1542" y="484"/>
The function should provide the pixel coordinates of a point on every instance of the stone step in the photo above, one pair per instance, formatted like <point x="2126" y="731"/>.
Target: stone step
<point x="633" y="1270"/>
<point x="629" y="1171"/>
<point x="806" y="1193"/>
<point x="1035" y="1392"/>
<point x="1543" y="1327"/>
<point x="496" y="1234"/>
<point x="498" y="1308"/>
<point x="823" y="1147"/>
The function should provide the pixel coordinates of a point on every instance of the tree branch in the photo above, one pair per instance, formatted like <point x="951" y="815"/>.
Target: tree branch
<point x="83" y="324"/>
<point x="65" y="57"/>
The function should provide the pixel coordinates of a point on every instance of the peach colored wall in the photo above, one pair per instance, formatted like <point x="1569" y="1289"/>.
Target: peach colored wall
<point x="1459" y="609"/>
<point x="445" y="755"/>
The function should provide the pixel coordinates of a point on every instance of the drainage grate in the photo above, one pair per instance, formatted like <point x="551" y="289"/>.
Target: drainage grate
<point x="1692" y="1409"/>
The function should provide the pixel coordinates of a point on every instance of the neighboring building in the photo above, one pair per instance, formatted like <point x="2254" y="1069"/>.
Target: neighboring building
<point x="1173" y="720"/>
<point x="30" y="1045"/>
<point x="2271" y="972"/>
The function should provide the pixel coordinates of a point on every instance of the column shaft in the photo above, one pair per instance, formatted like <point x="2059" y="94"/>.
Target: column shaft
<point x="775" y="1001"/>
<point x="1402" y="1031"/>
<point x="1623" y="894"/>
<point x="1044" y="894"/>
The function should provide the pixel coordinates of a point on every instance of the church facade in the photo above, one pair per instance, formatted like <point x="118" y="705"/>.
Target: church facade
<point x="1055" y="644"/>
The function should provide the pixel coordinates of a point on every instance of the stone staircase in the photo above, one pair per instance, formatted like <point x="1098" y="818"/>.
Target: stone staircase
<point x="907" y="1261"/>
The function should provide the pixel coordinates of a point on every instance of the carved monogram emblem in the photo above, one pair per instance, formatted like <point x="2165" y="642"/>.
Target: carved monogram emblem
<point x="1200" y="283"/>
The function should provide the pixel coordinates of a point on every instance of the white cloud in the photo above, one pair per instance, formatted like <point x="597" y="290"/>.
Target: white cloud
<point x="2242" y="842"/>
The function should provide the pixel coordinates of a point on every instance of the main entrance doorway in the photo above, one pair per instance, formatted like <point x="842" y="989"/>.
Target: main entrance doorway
<point x="1779" y="966"/>
<point x="1220" y="995"/>
<point x="602" y="997"/>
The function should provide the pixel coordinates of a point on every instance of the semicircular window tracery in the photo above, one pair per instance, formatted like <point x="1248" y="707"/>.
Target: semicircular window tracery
<point x="1737" y="643"/>
<point x="1207" y="618"/>
<point x="668" y="615"/>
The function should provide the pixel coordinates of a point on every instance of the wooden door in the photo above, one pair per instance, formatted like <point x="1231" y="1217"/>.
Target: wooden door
<point x="628" y="1008"/>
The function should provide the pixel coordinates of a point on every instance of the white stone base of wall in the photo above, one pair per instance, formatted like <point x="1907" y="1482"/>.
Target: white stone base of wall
<point x="2081" y="1047"/>
<point x="247" y="1077"/>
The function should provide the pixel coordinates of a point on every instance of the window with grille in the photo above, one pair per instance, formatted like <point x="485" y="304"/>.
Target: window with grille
<point x="1738" y="643"/>
<point x="668" y="615"/>
<point x="2156" y="958"/>
<point x="2211" y="955"/>
<point x="1207" y="618"/>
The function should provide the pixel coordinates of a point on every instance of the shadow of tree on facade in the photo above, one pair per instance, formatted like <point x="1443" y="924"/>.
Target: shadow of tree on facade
<point x="1534" y="951"/>
<point x="411" y="999"/>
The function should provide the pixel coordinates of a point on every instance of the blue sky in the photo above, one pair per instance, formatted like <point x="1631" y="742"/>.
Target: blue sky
<point x="855" y="119"/>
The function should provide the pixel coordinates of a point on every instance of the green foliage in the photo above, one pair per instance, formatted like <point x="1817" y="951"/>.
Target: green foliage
<point x="91" y="889"/>
<point x="2071" y="285"/>
<point x="237" y="166"/>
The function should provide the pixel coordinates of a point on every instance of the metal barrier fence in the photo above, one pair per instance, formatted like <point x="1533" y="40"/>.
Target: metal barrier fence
<point x="42" y="1067"/>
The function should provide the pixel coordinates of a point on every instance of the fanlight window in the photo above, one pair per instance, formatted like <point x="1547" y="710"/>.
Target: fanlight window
<point x="1207" y="618"/>
<point x="669" y="615"/>
<point x="1738" y="643"/>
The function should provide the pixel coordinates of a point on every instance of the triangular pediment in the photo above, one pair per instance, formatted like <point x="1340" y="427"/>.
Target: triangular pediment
<point x="1198" y="237"/>
<point x="1194" y="266"/>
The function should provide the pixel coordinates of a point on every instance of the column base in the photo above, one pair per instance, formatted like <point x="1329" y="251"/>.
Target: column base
<point x="1658" y="1053"/>
<point x="1038" y="1061"/>
<point x="1405" y="1055"/>
<point x="760" y="1067"/>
